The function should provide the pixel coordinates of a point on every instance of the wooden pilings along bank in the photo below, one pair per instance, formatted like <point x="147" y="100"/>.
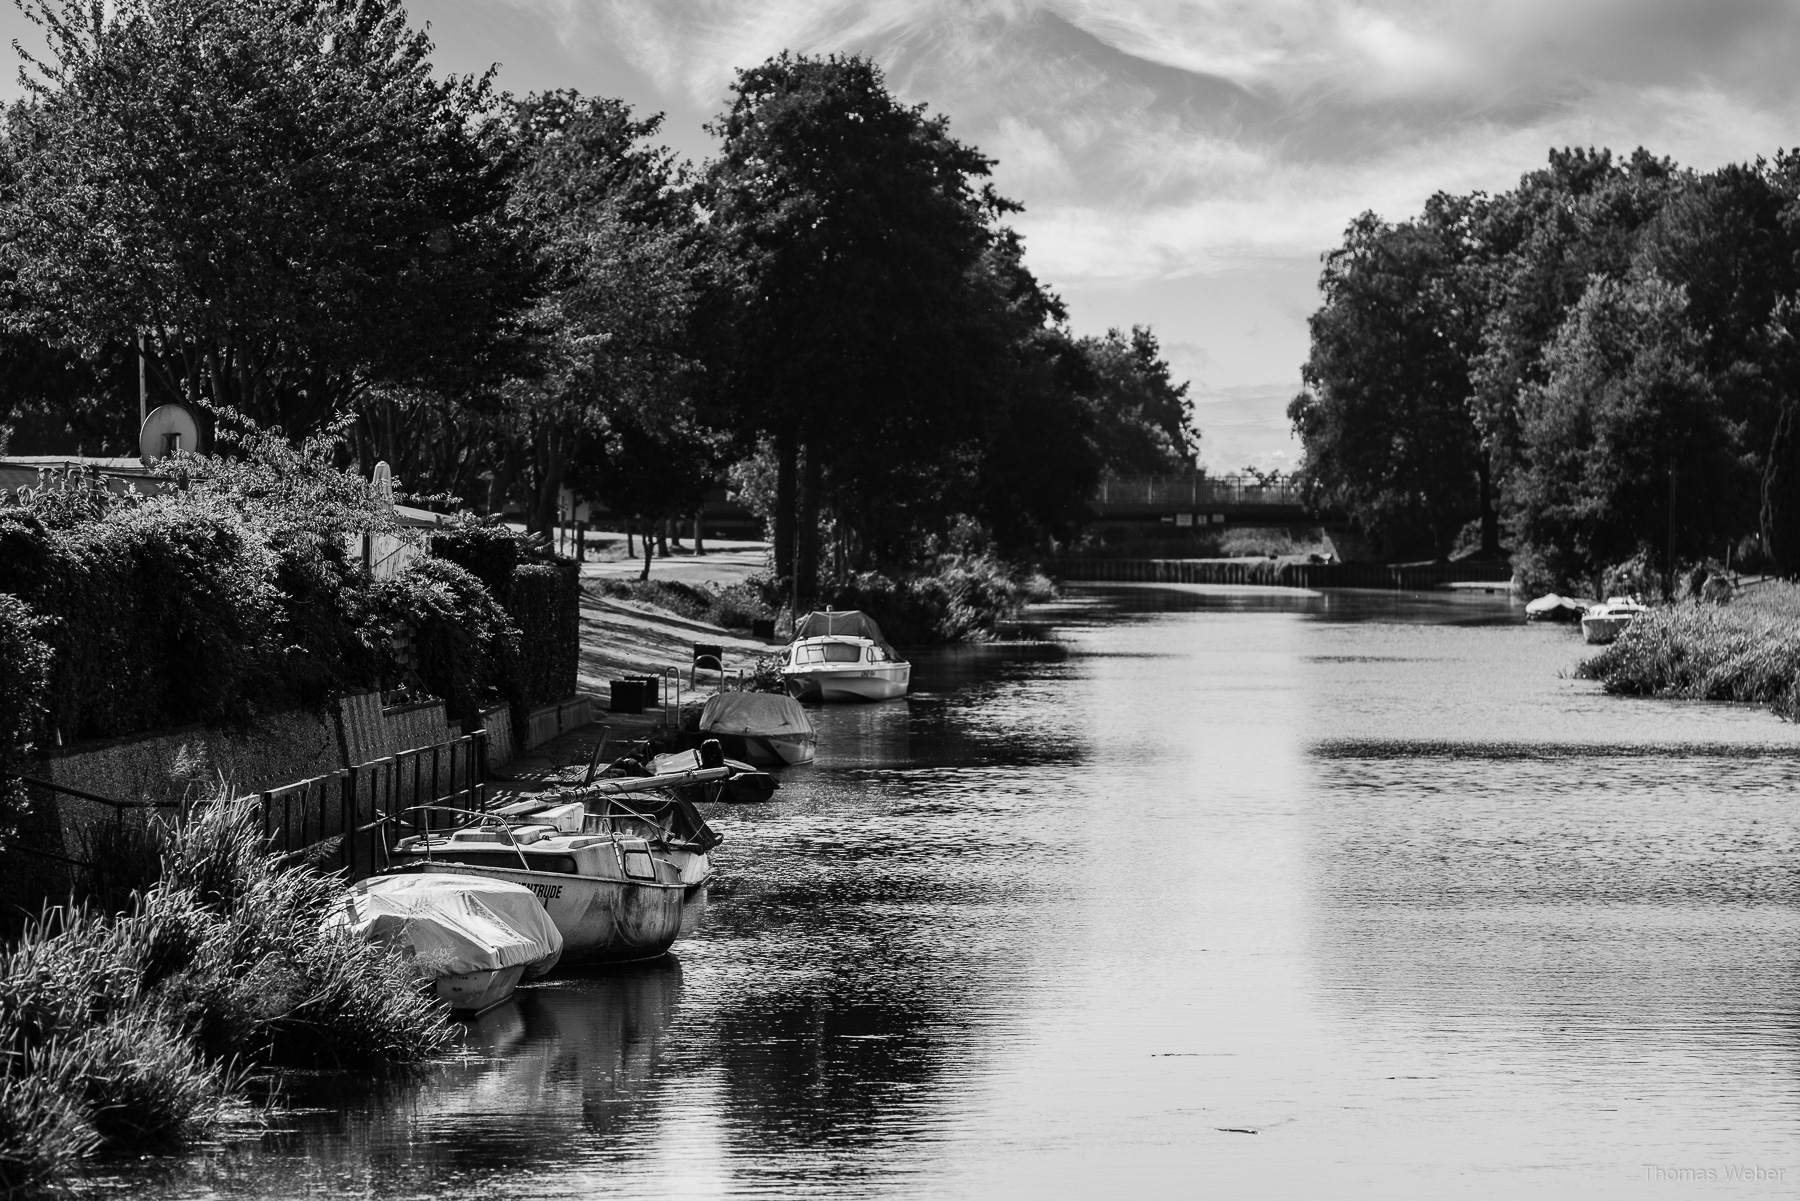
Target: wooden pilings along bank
<point x="1402" y="577"/>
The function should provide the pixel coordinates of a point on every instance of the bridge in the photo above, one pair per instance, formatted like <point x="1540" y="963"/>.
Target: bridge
<point x="1194" y="500"/>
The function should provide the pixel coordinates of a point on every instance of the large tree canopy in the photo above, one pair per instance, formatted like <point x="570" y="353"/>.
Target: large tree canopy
<point x="1626" y="449"/>
<point x="856" y="224"/>
<point x="1143" y="419"/>
<point x="1385" y="418"/>
<point x="1609" y="330"/>
<point x="622" y="260"/>
<point x="277" y="193"/>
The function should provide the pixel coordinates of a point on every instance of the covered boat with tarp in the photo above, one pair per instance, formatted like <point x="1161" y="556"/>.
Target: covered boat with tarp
<point x="842" y="656"/>
<point x="473" y="939"/>
<point x="760" y="727"/>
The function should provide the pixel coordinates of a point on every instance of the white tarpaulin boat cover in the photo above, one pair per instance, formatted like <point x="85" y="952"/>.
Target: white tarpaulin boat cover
<point x="453" y="924"/>
<point x="850" y="623"/>
<point x="757" y="713"/>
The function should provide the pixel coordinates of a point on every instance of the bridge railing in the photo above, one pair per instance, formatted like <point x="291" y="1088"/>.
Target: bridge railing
<point x="1194" y="491"/>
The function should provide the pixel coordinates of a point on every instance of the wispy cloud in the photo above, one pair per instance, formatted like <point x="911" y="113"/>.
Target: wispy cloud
<point x="1166" y="149"/>
<point x="1150" y="137"/>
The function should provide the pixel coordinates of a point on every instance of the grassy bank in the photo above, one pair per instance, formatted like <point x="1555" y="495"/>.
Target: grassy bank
<point x="729" y="606"/>
<point x="950" y="598"/>
<point x="1747" y="650"/>
<point x="131" y="1030"/>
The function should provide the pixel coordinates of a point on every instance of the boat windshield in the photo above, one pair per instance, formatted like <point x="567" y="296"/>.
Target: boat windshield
<point x="830" y="652"/>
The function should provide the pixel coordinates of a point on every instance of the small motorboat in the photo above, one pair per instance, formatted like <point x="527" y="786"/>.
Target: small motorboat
<point x="762" y="728"/>
<point x="746" y="785"/>
<point x="473" y="939"/>
<point x="843" y="657"/>
<point x="1606" y="621"/>
<point x="609" y="872"/>
<point x="1551" y="607"/>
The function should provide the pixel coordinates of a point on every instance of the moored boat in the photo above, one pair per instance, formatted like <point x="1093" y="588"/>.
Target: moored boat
<point x="745" y="785"/>
<point x="843" y="657"/>
<point x="473" y="939"/>
<point x="1551" y="607"/>
<point x="1606" y="621"/>
<point x="760" y="728"/>
<point x="611" y="897"/>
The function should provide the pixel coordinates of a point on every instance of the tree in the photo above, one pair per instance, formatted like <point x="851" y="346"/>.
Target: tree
<point x="854" y="224"/>
<point x="1536" y="247"/>
<point x="1721" y="237"/>
<point x="620" y="255"/>
<point x="1624" y="449"/>
<point x="1036" y="460"/>
<point x="1143" y="420"/>
<point x="277" y="192"/>
<point x="650" y="472"/>
<point x="1385" y="420"/>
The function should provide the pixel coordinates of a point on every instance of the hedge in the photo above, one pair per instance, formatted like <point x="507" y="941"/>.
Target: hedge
<point x="189" y="606"/>
<point x="546" y="608"/>
<point x="24" y="676"/>
<point x="463" y="641"/>
<point x="486" y="550"/>
<point x="164" y="612"/>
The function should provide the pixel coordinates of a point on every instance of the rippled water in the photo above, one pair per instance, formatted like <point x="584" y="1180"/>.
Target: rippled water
<point x="1237" y="894"/>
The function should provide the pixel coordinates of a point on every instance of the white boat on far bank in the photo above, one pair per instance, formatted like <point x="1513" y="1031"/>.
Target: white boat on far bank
<point x="843" y="657"/>
<point x="1606" y="621"/>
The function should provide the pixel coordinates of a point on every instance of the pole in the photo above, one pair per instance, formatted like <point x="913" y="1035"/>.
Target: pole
<point x="143" y="389"/>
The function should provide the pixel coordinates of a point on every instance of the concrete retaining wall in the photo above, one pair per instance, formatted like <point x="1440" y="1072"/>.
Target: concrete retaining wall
<point x="500" y="745"/>
<point x="281" y="748"/>
<point x="547" y="721"/>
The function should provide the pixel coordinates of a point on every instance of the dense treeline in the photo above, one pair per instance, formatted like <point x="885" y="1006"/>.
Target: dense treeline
<point x="296" y="220"/>
<point x="1599" y="365"/>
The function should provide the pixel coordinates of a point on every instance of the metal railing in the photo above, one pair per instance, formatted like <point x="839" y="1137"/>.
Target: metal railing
<point x="344" y="821"/>
<point x="1195" y="491"/>
<point x="349" y="820"/>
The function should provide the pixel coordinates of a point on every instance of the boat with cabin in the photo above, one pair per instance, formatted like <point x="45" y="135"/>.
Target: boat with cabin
<point x="842" y="656"/>
<point x="611" y="862"/>
<point x="1606" y="621"/>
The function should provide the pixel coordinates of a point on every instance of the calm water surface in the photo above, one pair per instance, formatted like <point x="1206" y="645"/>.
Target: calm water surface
<point x="1238" y="894"/>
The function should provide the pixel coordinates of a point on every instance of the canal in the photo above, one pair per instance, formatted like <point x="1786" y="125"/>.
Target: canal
<point x="1230" y="893"/>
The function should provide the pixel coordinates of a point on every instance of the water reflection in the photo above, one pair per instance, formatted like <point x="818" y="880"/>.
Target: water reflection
<point x="1260" y="893"/>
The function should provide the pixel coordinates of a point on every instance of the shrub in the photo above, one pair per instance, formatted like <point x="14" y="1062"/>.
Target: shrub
<point x="733" y="606"/>
<point x="464" y="641"/>
<point x="546" y="606"/>
<point x="330" y="636"/>
<point x="961" y="600"/>
<point x="162" y="613"/>
<point x="1748" y="650"/>
<point x="119" y="1031"/>
<point x="487" y="550"/>
<point x="24" y="677"/>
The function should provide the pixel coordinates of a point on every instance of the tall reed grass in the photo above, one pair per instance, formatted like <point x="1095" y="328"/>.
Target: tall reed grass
<point x="132" y="1029"/>
<point x="1747" y="650"/>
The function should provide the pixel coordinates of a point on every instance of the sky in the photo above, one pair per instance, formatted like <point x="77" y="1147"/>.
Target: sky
<point x="1184" y="163"/>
